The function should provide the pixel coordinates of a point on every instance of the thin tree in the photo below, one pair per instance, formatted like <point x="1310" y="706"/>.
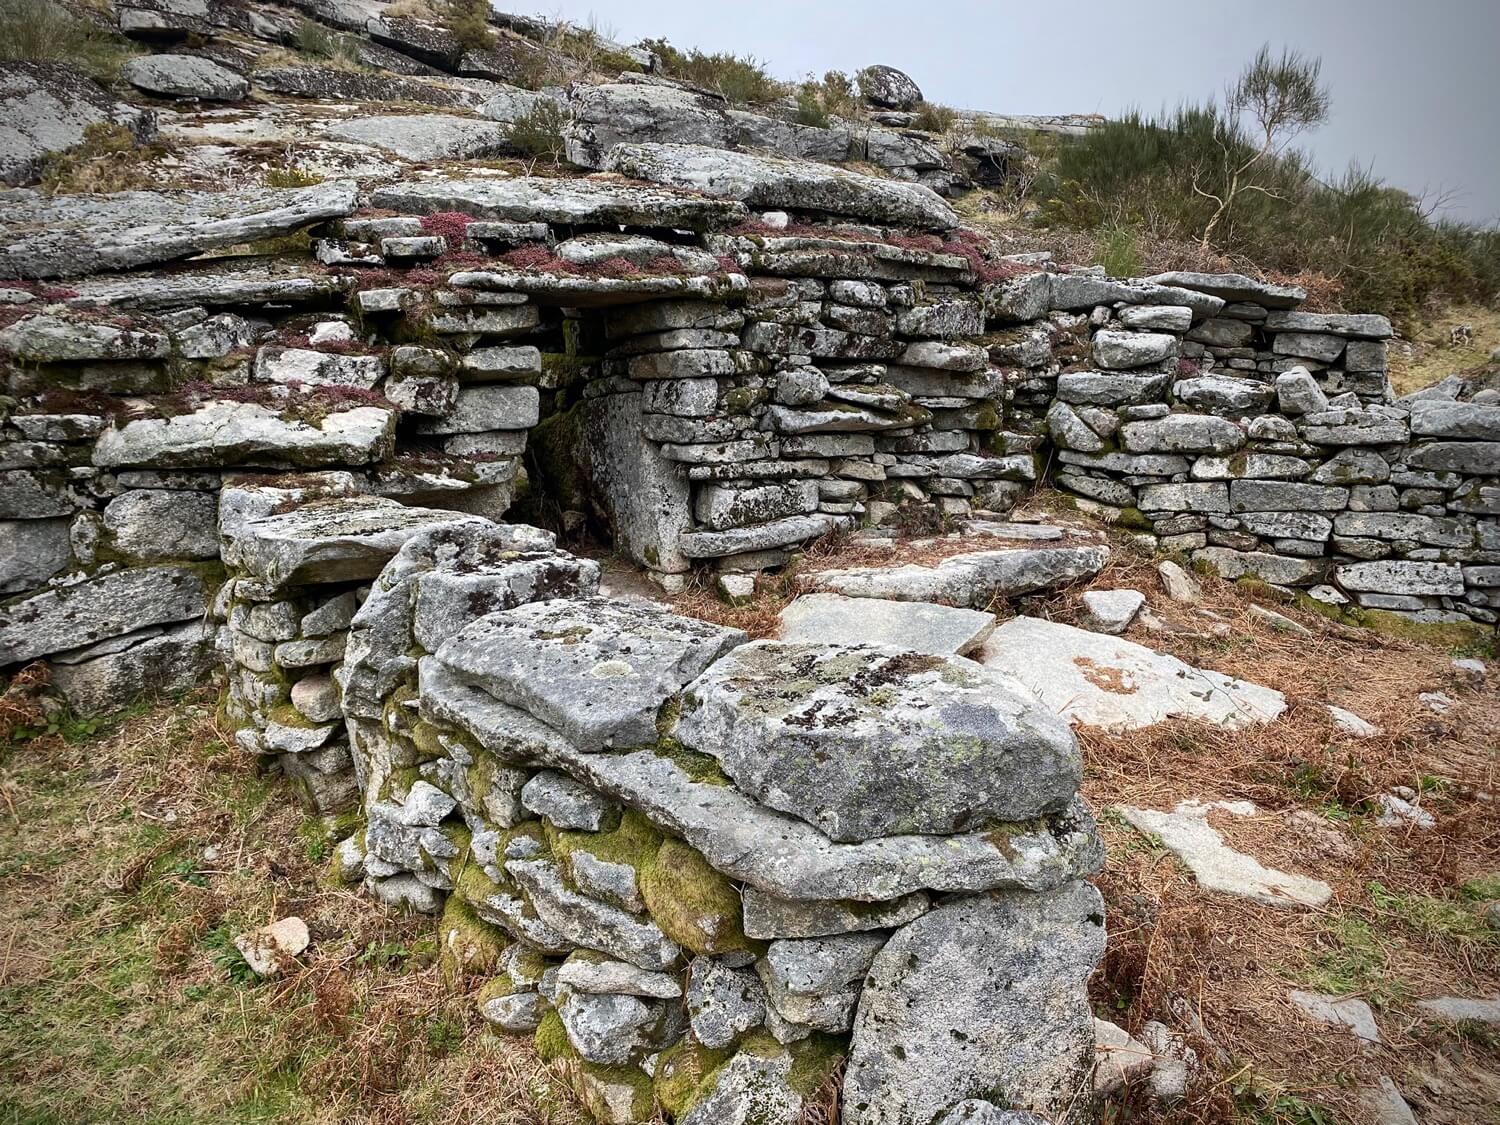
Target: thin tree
<point x="1280" y="99"/>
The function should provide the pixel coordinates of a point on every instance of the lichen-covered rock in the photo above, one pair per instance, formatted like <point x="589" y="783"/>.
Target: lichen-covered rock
<point x="771" y="182"/>
<point x="723" y="1004"/>
<point x="866" y="742"/>
<point x="950" y="1008"/>
<point x="781" y="854"/>
<point x="44" y="109"/>
<point x="596" y="669"/>
<point x="694" y="905"/>
<point x="590" y="924"/>
<point x="889" y="88"/>
<point x="66" y="235"/>
<point x="185" y="76"/>
<point x="978" y="579"/>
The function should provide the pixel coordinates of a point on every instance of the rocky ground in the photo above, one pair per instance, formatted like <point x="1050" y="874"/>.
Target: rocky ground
<point x="1368" y="860"/>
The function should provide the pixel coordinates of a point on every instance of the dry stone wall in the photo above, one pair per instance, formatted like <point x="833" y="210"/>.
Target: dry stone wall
<point x="699" y="872"/>
<point x="712" y="363"/>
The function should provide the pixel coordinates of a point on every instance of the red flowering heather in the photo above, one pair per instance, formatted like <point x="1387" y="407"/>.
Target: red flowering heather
<point x="452" y="225"/>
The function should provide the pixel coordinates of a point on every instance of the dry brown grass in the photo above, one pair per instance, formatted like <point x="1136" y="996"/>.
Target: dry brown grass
<point x="121" y="998"/>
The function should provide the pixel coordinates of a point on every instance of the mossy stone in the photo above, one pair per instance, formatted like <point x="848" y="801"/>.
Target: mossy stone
<point x="694" y="905"/>
<point x="467" y="946"/>
<point x="681" y="1073"/>
<point x="552" y="1039"/>
<point x="634" y="843"/>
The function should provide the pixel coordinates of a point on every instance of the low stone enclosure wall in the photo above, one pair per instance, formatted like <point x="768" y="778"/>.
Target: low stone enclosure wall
<point x="725" y="867"/>
<point x="707" y="384"/>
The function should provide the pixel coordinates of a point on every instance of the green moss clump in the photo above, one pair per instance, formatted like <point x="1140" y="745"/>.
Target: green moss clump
<point x="552" y="1039"/>
<point x="467" y="946"/>
<point x="589" y="1081"/>
<point x="681" y="1075"/>
<point x="1134" y="518"/>
<point x="496" y="988"/>
<point x="473" y="885"/>
<point x="702" y="768"/>
<point x="813" y="1061"/>
<point x="425" y="737"/>
<point x="695" y="906"/>
<point x="633" y="843"/>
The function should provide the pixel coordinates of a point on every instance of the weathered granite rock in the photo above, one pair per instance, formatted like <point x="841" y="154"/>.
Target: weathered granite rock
<point x="950" y="1007"/>
<point x="1365" y="326"/>
<point x="1435" y="418"/>
<point x="590" y="924"/>
<point x="566" y="804"/>
<point x="1107" y="682"/>
<point x="779" y="854"/>
<point x="723" y="1004"/>
<point x="920" y="626"/>
<point x="611" y="1029"/>
<point x="1118" y="351"/>
<point x="614" y="112"/>
<point x="977" y="579"/>
<point x="767" y="916"/>
<point x="750" y="1088"/>
<point x="866" y="742"/>
<point x="168" y="660"/>
<point x="98" y="607"/>
<point x="65" y="235"/>
<point x="185" y="76"/>
<point x="48" y="338"/>
<point x="44" y="109"/>
<point x="592" y="974"/>
<point x="1402" y="577"/>
<point x="1111" y="611"/>
<point x="217" y="434"/>
<point x="773" y="182"/>
<point x="32" y="551"/>
<point x="1235" y="287"/>
<point x="1186" y="832"/>
<point x="596" y="669"/>
<point x="155" y="524"/>
<point x="888" y="88"/>
<point x="570" y="201"/>
<point x="342" y="540"/>
<point x="424" y="137"/>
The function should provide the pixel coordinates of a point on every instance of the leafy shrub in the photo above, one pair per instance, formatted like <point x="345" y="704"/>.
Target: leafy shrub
<point x="740" y="79"/>
<point x="289" y="177"/>
<point x="810" y="109"/>
<point x="539" y="132"/>
<point x="1119" y="253"/>
<point x="933" y="118"/>
<point x="468" y="21"/>
<point x="1168" y="177"/>
<point x="41" y="31"/>
<point x="319" y="42"/>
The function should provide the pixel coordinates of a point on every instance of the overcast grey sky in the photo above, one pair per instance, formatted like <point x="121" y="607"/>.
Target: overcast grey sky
<point x="1416" y="83"/>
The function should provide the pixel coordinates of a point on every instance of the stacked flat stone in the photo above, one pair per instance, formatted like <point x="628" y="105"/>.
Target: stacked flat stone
<point x="700" y="871"/>
<point x="706" y="384"/>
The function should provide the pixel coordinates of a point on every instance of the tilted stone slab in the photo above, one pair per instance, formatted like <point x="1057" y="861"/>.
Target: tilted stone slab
<point x="977" y="579"/>
<point x="98" y="608"/>
<point x="1185" y="832"/>
<point x="572" y="201"/>
<point x="1235" y="287"/>
<point x="65" y="235"/>
<point x="758" y="537"/>
<point x="1103" y="681"/>
<point x="212" y="285"/>
<point x="767" y="916"/>
<point x="596" y="669"/>
<point x="779" y="854"/>
<point x="865" y="742"/>
<point x="919" y="626"/>
<point x="982" y="994"/>
<point x="776" y="182"/>
<point x="221" y="434"/>
<point x="45" y="108"/>
<point x="588" y="923"/>
<point x="1437" y="418"/>
<point x="343" y="540"/>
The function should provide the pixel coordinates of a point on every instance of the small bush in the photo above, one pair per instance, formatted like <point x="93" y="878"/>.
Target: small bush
<point x="110" y="158"/>
<point x="933" y="118"/>
<point x="740" y="79"/>
<point x="468" y="21"/>
<point x="810" y="109"/>
<point x="289" y="177"/>
<point x="41" y="31"/>
<point x="539" y="133"/>
<point x="1119" y="252"/>
<point x="319" y="42"/>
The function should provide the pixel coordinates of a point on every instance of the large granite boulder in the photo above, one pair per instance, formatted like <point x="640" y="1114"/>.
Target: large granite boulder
<point x="185" y="76"/>
<point x="424" y="136"/>
<point x="595" y="669"/>
<point x="44" y="109"/>
<point x="865" y="742"/>
<point x="780" y="183"/>
<point x="608" y="114"/>
<point x="888" y="88"/>
<point x="920" y="626"/>
<point x="66" y="235"/>
<point x="983" y="994"/>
